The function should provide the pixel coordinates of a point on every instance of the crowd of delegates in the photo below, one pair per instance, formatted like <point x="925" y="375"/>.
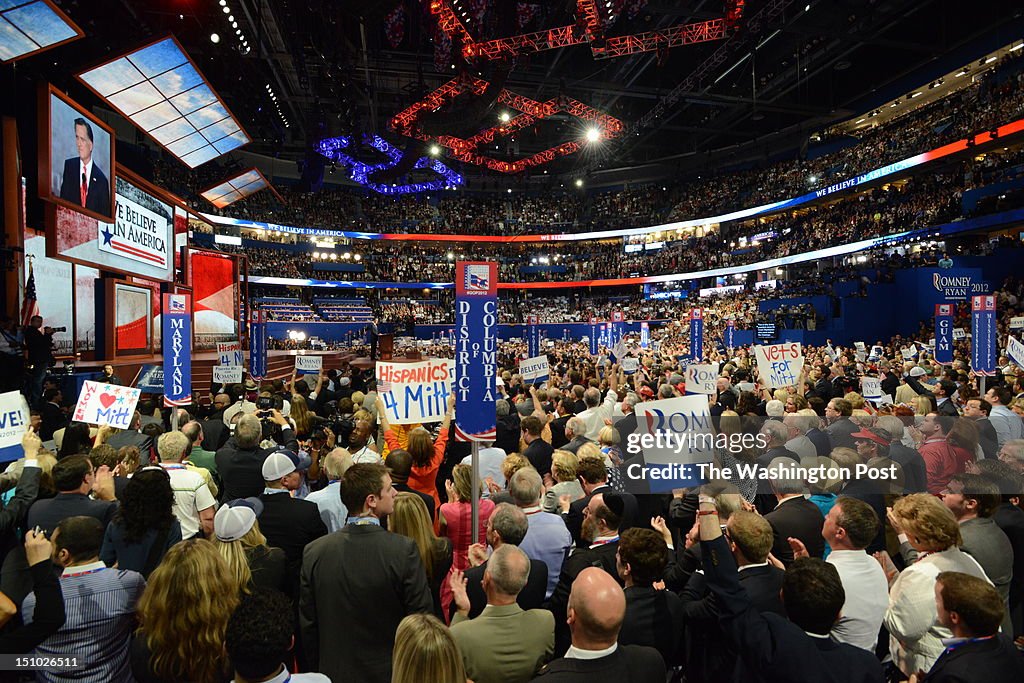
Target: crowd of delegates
<point x="288" y="528"/>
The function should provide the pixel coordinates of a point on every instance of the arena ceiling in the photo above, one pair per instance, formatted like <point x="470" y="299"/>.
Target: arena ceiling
<point x="311" y="69"/>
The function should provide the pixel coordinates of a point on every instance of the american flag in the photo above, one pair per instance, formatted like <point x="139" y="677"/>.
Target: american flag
<point x="29" y="305"/>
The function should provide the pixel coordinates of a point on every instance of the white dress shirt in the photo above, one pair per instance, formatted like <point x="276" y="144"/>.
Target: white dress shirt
<point x="867" y="598"/>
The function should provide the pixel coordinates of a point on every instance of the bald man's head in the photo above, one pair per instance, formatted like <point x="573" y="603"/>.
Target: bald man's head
<point x="597" y="607"/>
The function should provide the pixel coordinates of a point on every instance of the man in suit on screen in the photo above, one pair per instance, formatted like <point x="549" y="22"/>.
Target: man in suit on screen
<point x="84" y="183"/>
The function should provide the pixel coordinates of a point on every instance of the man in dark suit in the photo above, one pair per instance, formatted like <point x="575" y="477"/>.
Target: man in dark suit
<point x="627" y="424"/>
<point x="593" y="476"/>
<point x="360" y="581"/>
<point x="374" y="334"/>
<point x="653" y="617"/>
<point x="288" y="523"/>
<point x="39" y="350"/>
<point x="508" y="427"/>
<point x="978" y="409"/>
<point x="597" y="607"/>
<point x="506" y="526"/>
<point x="776" y="434"/>
<point x="942" y="395"/>
<point x="74" y="479"/>
<point x="52" y="416"/>
<point x="793" y="516"/>
<point x="840" y="426"/>
<point x="240" y="461"/>
<point x="972" y="610"/>
<point x="1010" y="518"/>
<point x="772" y="648"/>
<point x="84" y="183"/>
<point x="822" y="442"/>
<point x="709" y="654"/>
<point x="538" y="451"/>
<point x="563" y="411"/>
<point x="598" y="548"/>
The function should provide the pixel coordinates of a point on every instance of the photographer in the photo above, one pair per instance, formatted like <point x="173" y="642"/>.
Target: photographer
<point x="39" y="353"/>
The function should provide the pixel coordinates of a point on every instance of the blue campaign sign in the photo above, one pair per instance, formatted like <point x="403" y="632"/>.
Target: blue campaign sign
<point x="697" y="334"/>
<point x="151" y="379"/>
<point x="645" y="335"/>
<point x="594" y="341"/>
<point x="176" y="320"/>
<point x="983" y="335"/>
<point x="532" y="336"/>
<point x="730" y="334"/>
<point x="955" y="284"/>
<point x="944" y="333"/>
<point x="476" y="350"/>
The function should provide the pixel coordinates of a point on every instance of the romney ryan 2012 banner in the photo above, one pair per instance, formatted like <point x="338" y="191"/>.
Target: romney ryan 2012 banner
<point x="177" y="346"/>
<point x="476" y="349"/>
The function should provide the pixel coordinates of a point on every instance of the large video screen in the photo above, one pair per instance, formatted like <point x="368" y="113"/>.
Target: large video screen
<point x="140" y="241"/>
<point x="78" y="158"/>
<point x="214" y="280"/>
<point x="85" y="308"/>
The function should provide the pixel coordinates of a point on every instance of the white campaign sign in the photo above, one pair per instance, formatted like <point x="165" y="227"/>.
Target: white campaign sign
<point x="1017" y="323"/>
<point x="871" y="388"/>
<point x="701" y="379"/>
<point x="908" y="354"/>
<point x="779" y="365"/>
<point x="959" y="333"/>
<point x="106" y="404"/>
<point x="1015" y="351"/>
<point x="685" y="417"/>
<point x="230" y="353"/>
<point x="309" y="363"/>
<point x="14" y="421"/>
<point x="630" y="365"/>
<point x="533" y="369"/>
<point x="227" y="374"/>
<point x="414" y="393"/>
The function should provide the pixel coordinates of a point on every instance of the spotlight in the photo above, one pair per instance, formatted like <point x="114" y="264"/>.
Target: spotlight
<point x="358" y="257"/>
<point x="434" y="150"/>
<point x="234" y="24"/>
<point x="227" y="10"/>
<point x="231" y="18"/>
<point x="504" y="117"/>
<point x="214" y="38"/>
<point x="579" y="182"/>
<point x="593" y="135"/>
<point x="223" y="3"/>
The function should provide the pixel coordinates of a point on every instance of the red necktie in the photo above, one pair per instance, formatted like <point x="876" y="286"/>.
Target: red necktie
<point x="85" y="188"/>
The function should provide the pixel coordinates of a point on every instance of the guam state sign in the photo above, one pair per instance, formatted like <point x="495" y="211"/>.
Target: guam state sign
<point x="476" y="350"/>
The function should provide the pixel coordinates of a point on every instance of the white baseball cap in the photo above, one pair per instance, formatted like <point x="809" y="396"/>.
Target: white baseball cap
<point x="279" y="464"/>
<point x="235" y="518"/>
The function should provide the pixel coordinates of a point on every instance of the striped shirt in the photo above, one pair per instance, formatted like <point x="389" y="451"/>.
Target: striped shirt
<point x="99" y="604"/>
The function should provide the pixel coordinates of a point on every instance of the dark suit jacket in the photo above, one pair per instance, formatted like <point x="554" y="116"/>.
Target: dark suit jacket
<point x="531" y="597"/>
<point x="822" y="442"/>
<point x="1010" y="519"/>
<point x="558" y="438"/>
<point x="215" y="432"/>
<point x="799" y="518"/>
<point x="628" y="664"/>
<point x="870" y="492"/>
<point x="915" y="475"/>
<point x="574" y="518"/>
<point x="360" y="581"/>
<point x="290" y="524"/>
<point x="772" y="647"/>
<point x="603" y="556"/>
<point x="98" y="197"/>
<point x="48" y="512"/>
<point x="709" y="654"/>
<point x="539" y="454"/>
<point x="626" y="426"/>
<point x="654" y="618"/>
<point x="51" y="418"/>
<point x="507" y="438"/>
<point x="988" y="660"/>
<point x="987" y="438"/>
<point x="840" y="433"/>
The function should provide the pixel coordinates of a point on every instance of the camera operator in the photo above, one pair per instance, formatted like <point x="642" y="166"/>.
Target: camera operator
<point x="39" y="354"/>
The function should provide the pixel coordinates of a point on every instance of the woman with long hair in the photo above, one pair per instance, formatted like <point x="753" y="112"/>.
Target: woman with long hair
<point x="425" y="651"/>
<point x="237" y="535"/>
<point x="427" y="453"/>
<point x="411" y="519"/>
<point x="144" y="527"/>
<point x="183" y="614"/>
<point x="75" y="441"/>
<point x="305" y="420"/>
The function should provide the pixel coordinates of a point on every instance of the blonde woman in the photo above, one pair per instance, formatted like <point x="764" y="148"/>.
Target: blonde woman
<point x="305" y="420"/>
<point x="412" y="520"/>
<point x="425" y="651"/>
<point x="183" y="614"/>
<point x="932" y="530"/>
<point x="563" y="471"/>
<point x="237" y="535"/>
